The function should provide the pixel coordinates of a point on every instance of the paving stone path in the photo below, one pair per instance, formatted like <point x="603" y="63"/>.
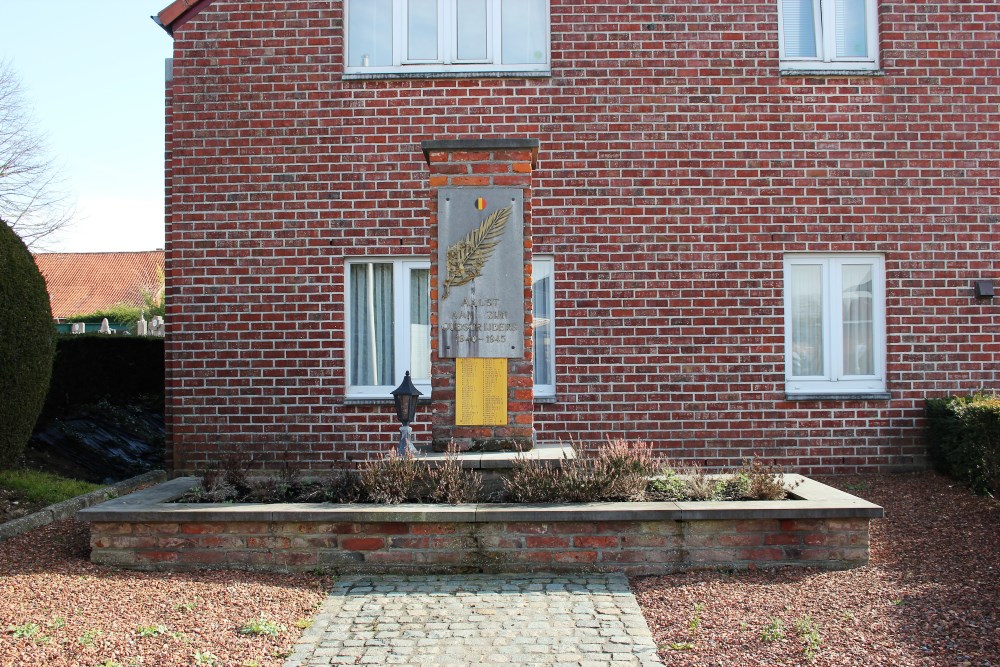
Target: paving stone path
<point x="577" y="620"/>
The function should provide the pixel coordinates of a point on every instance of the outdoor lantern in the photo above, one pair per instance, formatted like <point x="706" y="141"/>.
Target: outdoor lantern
<point x="405" y="398"/>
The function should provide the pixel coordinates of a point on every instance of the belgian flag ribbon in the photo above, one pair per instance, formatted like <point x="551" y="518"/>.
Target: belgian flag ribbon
<point x="480" y="203"/>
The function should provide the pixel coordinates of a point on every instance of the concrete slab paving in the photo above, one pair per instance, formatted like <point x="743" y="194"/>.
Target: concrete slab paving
<point x="531" y="620"/>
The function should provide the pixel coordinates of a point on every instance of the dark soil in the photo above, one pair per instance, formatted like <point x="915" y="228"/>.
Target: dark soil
<point x="13" y="505"/>
<point x="101" y="443"/>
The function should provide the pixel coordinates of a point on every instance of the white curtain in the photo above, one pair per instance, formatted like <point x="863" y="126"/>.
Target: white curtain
<point x="420" y="324"/>
<point x="807" y="320"/>
<point x="372" y="331"/>
<point x="858" y="320"/>
<point x="798" y="24"/>
<point x="541" y="297"/>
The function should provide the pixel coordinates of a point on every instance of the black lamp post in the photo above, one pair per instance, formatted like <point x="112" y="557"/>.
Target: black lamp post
<point x="405" y="398"/>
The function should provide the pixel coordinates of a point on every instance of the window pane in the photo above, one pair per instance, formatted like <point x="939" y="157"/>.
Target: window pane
<point x="372" y="341"/>
<point x="798" y="25"/>
<point x="420" y="324"/>
<point x="523" y="31"/>
<point x="807" y="320"/>
<point x="471" y="29"/>
<point x="541" y="298"/>
<point x="859" y="320"/>
<point x="422" y="30"/>
<point x="851" y="29"/>
<point x="370" y="33"/>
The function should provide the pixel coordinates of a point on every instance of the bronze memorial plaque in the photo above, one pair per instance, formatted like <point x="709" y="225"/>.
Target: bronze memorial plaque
<point x="480" y="272"/>
<point x="481" y="392"/>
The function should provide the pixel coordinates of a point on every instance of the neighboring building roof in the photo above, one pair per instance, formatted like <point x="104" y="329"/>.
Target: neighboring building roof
<point x="85" y="282"/>
<point x="178" y="12"/>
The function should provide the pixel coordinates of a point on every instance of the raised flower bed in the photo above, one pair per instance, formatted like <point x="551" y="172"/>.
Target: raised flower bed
<point x="817" y="526"/>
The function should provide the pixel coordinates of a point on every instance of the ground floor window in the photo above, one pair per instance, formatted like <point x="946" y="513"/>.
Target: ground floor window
<point x="543" y="325"/>
<point x="388" y="325"/>
<point x="834" y="324"/>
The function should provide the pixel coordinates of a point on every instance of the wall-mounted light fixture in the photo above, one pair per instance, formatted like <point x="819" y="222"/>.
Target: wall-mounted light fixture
<point x="983" y="289"/>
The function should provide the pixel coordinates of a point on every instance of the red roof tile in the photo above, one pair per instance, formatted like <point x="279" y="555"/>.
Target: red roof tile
<point x="81" y="283"/>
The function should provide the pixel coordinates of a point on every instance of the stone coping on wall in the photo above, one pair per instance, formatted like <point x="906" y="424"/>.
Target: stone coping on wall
<point x="68" y="508"/>
<point x="810" y="500"/>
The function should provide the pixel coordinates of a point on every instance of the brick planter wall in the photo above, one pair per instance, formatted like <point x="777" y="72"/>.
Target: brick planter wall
<point x="827" y="528"/>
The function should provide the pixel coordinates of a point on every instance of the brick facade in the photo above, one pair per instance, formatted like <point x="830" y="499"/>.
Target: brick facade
<point x="676" y="169"/>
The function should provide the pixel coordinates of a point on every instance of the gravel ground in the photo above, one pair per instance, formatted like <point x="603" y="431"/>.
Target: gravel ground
<point x="57" y="608"/>
<point x="930" y="595"/>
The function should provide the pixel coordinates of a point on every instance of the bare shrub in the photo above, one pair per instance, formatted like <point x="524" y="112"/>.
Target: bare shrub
<point x="618" y="470"/>
<point x="339" y="486"/>
<point x="392" y="479"/>
<point x="531" y="481"/>
<point x="764" y="482"/>
<point x="284" y="485"/>
<point x="449" y="483"/>
<point x="700" y="485"/>
<point x="212" y="488"/>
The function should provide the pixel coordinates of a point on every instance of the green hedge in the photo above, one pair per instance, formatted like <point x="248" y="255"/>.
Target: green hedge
<point x="963" y="439"/>
<point x="92" y="367"/>
<point x="27" y="342"/>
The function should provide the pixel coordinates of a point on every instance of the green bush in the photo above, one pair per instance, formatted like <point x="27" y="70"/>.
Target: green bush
<point x="96" y="367"/>
<point x="963" y="439"/>
<point x="27" y="344"/>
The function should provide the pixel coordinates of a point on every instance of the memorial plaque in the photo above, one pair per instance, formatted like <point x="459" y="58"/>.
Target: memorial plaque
<point x="481" y="392"/>
<point x="480" y="273"/>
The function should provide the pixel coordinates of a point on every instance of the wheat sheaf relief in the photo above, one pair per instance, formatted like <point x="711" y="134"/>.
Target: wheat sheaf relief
<point x="465" y="260"/>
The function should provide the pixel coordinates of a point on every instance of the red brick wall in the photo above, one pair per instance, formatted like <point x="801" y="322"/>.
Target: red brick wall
<point x="676" y="168"/>
<point x="635" y="547"/>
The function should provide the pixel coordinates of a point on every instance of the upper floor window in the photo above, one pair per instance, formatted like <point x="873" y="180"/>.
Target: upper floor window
<point x="428" y="36"/>
<point x="834" y="324"/>
<point x="828" y="34"/>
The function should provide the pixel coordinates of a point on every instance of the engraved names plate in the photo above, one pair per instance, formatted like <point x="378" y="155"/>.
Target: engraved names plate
<point x="480" y="392"/>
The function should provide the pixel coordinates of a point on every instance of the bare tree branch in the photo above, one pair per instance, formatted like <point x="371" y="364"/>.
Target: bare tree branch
<point x="33" y="199"/>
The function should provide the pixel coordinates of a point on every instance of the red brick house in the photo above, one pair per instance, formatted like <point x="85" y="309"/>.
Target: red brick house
<point x="761" y="229"/>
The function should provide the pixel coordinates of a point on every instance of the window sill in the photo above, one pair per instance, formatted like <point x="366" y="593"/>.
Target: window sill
<point x="831" y="72"/>
<point x="546" y="399"/>
<point x="488" y="74"/>
<point x="360" y="400"/>
<point x="873" y="396"/>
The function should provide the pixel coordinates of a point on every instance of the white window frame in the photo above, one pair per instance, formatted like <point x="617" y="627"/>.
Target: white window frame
<point x="547" y="390"/>
<point x="826" y="48"/>
<point x="447" y="60"/>
<point x="401" y="268"/>
<point x="833" y="381"/>
<point x="401" y="317"/>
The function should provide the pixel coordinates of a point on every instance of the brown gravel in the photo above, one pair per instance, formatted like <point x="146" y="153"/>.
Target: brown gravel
<point x="90" y="615"/>
<point x="930" y="595"/>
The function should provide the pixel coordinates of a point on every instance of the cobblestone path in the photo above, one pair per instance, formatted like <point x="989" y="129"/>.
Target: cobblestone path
<point x="576" y="620"/>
